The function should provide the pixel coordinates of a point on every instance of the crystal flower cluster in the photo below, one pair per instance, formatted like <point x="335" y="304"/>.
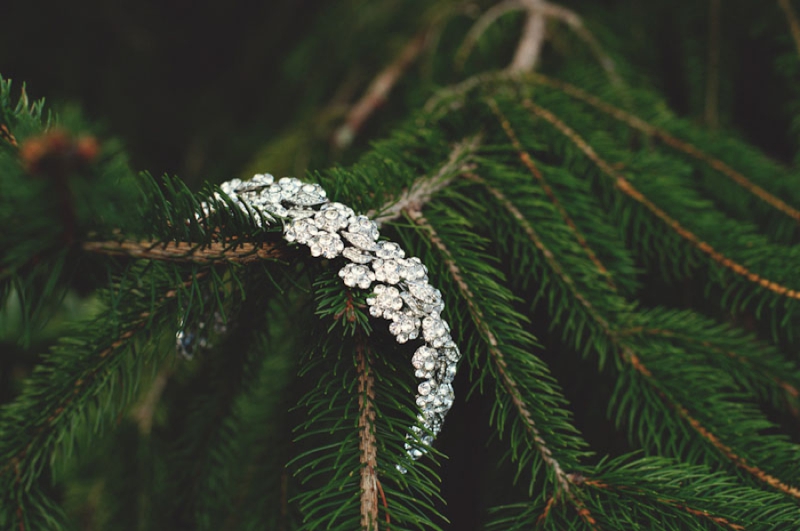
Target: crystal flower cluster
<point x="399" y="288"/>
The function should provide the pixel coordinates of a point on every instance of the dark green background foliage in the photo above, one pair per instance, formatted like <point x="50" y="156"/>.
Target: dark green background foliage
<point x="628" y="312"/>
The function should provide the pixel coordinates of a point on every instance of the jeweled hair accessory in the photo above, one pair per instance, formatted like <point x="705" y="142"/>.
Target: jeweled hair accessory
<point x="400" y="291"/>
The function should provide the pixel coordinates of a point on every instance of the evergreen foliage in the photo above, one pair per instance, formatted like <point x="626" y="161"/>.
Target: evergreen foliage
<point x="606" y="265"/>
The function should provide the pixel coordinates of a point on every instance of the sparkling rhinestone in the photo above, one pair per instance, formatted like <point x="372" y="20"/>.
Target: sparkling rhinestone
<point x="423" y="356"/>
<point x="413" y="269"/>
<point x="387" y="250"/>
<point x="277" y="209"/>
<point x="426" y="388"/>
<point x="451" y="353"/>
<point x="360" y="240"/>
<point x="449" y="372"/>
<point x="333" y="217"/>
<point x="423" y="299"/>
<point x="364" y="226"/>
<point x="301" y="230"/>
<point x="307" y="195"/>
<point x="301" y="213"/>
<point x="326" y="244"/>
<point x="357" y="275"/>
<point x="385" y="302"/>
<point x="435" y="331"/>
<point x="405" y="325"/>
<point x="386" y="270"/>
<point x="231" y="187"/>
<point x="355" y="255"/>
<point x="262" y="179"/>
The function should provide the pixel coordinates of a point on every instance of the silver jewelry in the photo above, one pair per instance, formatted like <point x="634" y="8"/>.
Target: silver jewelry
<point x="400" y="289"/>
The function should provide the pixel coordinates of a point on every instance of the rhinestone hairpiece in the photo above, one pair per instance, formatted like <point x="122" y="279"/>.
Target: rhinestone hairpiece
<point x="399" y="286"/>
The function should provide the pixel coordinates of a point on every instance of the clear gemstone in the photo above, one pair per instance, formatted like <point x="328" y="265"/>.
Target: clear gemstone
<point x="387" y="250"/>
<point x="326" y="244"/>
<point x="386" y="270"/>
<point x="355" y="275"/>
<point x="360" y="240"/>
<point x="355" y="255"/>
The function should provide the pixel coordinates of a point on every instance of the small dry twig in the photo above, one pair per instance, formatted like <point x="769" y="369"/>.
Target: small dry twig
<point x="379" y="90"/>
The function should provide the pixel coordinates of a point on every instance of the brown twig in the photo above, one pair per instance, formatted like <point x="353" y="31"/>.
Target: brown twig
<point x="425" y="187"/>
<point x="385" y="505"/>
<point x="378" y="90"/>
<point x="483" y="23"/>
<point x="530" y="43"/>
<point x="624" y="186"/>
<point x="529" y="46"/>
<point x="243" y="253"/>
<point x="551" y="502"/>
<point x="368" y="444"/>
<point x="791" y="18"/>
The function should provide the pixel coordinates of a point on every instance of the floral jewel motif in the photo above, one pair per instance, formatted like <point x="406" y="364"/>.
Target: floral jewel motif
<point x="400" y="289"/>
<point x="355" y="275"/>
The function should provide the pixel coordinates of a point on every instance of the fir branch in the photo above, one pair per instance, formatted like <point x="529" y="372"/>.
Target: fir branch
<point x="650" y="130"/>
<point x="547" y="253"/>
<point x="105" y="357"/>
<point x="791" y="19"/>
<point x="493" y="346"/>
<point x="791" y="390"/>
<point x="624" y="186"/>
<point x="718" y="520"/>
<point x="703" y="431"/>
<point x="424" y="188"/>
<point x="189" y="252"/>
<point x="58" y="396"/>
<point x="628" y="354"/>
<point x="526" y="159"/>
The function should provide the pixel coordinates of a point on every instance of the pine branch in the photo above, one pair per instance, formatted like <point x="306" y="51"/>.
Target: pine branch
<point x="514" y="368"/>
<point x="628" y="354"/>
<point x="525" y="157"/>
<point x="704" y="432"/>
<point x="652" y="131"/>
<point x="623" y="185"/>
<point x="76" y="383"/>
<point x="748" y="369"/>
<point x="423" y="189"/>
<point x="188" y="252"/>
<point x="493" y="346"/>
